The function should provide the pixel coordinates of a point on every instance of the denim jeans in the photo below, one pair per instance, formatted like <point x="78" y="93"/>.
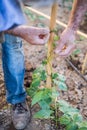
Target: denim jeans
<point x="14" y="69"/>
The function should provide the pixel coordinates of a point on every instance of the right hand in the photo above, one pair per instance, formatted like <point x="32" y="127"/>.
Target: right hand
<point x="33" y="35"/>
<point x="38" y="36"/>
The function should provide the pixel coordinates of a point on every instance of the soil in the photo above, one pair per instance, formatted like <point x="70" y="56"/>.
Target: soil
<point x="77" y="87"/>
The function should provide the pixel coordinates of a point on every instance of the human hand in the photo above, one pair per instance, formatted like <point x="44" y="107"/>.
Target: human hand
<point x="66" y="44"/>
<point x="37" y="36"/>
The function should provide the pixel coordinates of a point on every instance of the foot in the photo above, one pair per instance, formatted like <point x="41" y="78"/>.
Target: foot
<point x="20" y="115"/>
<point x="33" y="35"/>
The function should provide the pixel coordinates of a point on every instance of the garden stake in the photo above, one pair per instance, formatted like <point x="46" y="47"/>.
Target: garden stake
<point x="50" y="44"/>
<point x="84" y="65"/>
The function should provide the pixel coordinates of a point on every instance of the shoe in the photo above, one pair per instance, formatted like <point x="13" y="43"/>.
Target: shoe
<point x="20" y="115"/>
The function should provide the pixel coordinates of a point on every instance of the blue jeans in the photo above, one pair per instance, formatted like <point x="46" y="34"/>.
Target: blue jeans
<point x="13" y="68"/>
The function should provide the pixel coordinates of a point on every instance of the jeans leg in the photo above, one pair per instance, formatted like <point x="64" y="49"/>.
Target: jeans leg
<point x="13" y="67"/>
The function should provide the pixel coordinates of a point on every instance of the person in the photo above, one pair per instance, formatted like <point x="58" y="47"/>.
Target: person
<point x="13" y="59"/>
<point x="12" y="21"/>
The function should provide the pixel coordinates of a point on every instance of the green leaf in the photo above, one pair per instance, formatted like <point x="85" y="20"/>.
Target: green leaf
<point x="30" y="14"/>
<point x="38" y="96"/>
<point x="38" y="70"/>
<point x="65" y="119"/>
<point x="61" y="78"/>
<point x="41" y="17"/>
<point x="72" y="111"/>
<point x="44" y="62"/>
<point x="56" y="38"/>
<point x="43" y="114"/>
<point x="77" y="117"/>
<point x="63" y="103"/>
<point x="83" y="128"/>
<point x="54" y="75"/>
<point x="43" y="75"/>
<point x="76" y="52"/>
<point x="55" y="93"/>
<point x="31" y="92"/>
<point x="36" y="82"/>
<point x="54" y="45"/>
<point x="83" y="124"/>
<point x="66" y="108"/>
<point x="56" y="81"/>
<point x="62" y="86"/>
<point x="44" y="105"/>
<point x="72" y="126"/>
<point x="48" y="100"/>
<point x="36" y="74"/>
<point x="33" y="17"/>
<point x="47" y="93"/>
<point x="43" y="94"/>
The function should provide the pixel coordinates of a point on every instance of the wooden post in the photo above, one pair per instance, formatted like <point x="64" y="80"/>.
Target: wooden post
<point x="84" y="65"/>
<point x="50" y="44"/>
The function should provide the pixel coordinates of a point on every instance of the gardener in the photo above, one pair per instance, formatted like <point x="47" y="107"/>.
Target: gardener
<point x="11" y="16"/>
<point x="13" y="59"/>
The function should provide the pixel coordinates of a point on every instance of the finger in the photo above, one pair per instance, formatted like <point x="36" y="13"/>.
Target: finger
<point x="67" y="51"/>
<point x="60" y="47"/>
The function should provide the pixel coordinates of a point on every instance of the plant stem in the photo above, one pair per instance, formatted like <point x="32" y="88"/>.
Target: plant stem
<point x="50" y="45"/>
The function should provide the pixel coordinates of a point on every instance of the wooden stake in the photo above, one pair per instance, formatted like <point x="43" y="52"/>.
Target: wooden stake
<point x="50" y="45"/>
<point x="84" y="65"/>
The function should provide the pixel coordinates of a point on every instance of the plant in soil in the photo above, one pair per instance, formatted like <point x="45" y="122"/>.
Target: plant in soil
<point x="60" y="111"/>
<point x="46" y="85"/>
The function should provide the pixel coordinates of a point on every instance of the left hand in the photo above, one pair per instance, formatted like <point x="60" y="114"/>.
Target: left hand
<point x="66" y="44"/>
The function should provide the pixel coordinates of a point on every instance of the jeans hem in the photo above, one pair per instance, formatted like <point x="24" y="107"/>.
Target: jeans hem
<point x="17" y="99"/>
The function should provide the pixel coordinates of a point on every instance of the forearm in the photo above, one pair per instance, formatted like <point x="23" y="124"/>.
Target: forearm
<point x="78" y="10"/>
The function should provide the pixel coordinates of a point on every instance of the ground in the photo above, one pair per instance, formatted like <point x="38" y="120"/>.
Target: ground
<point x="77" y="87"/>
